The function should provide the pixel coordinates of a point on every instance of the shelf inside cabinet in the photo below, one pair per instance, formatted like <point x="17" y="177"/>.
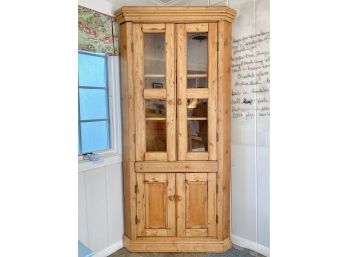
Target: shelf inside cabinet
<point x="197" y="118"/>
<point x="200" y="75"/>
<point x="154" y="75"/>
<point x="155" y="118"/>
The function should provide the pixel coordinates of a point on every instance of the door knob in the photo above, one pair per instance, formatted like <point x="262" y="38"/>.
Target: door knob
<point x="171" y="198"/>
<point x="178" y="198"/>
<point x="179" y="101"/>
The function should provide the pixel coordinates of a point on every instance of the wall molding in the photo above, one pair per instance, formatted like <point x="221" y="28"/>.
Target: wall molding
<point x="245" y="243"/>
<point x="110" y="249"/>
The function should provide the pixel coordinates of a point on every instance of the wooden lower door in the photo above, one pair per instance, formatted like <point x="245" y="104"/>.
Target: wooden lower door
<point x="156" y="204"/>
<point x="196" y="205"/>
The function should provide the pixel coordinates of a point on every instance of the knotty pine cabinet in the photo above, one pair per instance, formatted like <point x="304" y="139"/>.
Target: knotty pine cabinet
<point x="176" y="89"/>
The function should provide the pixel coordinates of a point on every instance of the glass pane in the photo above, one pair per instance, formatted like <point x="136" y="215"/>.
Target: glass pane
<point x="197" y="135"/>
<point x="154" y="54"/>
<point x="156" y="136"/>
<point x="95" y="136"/>
<point x="197" y="53"/>
<point x="92" y="70"/>
<point x="197" y="107"/>
<point x="155" y="108"/>
<point x="197" y="82"/>
<point x="155" y="82"/>
<point x="93" y="104"/>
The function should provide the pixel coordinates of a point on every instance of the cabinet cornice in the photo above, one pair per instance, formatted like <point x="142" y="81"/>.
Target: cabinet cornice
<point x="177" y="14"/>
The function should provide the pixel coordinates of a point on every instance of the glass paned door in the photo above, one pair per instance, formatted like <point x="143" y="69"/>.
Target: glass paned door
<point x="197" y="91"/>
<point x="197" y="125"/>
<point x="154" y="82"/>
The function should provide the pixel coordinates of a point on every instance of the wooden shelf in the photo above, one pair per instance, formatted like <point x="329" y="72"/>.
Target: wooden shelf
<point x="197" y="118"/>
<point x="199" y="75"/>
<point x="155" y="118"/>
<point x="154" y="76"/>
<point x="196" y="138"/>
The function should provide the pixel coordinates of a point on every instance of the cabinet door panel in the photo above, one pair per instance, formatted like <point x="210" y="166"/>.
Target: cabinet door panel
<point x="154" y="81"/>
<point x="155" y="204"/>
<point x="196" y="203"/>
<point x="197" y="91"/>
<point x="196" y="207"/>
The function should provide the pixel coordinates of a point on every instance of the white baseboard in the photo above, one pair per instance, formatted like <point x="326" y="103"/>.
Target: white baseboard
<point x="245" y="243"/>
<point x="109" y="250"/>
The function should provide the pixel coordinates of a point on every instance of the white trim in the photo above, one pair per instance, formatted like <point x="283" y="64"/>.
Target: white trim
<point x="110" y="249"/>
<point x="114" y="103"/>
<point x="245" y="243"/>
<point x="118" y="110"/>
<point x="109" y="160"/>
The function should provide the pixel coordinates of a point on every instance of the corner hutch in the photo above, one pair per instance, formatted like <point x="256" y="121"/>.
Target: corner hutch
<point x="176" y="115"/>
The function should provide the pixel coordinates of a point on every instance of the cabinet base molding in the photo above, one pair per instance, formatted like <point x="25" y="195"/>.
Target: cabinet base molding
<point x="177" y="245"/>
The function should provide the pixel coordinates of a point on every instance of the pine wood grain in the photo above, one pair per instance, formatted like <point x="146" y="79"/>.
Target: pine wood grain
<point x="180" y="206"/>
<point x="177" y="245"/>
<point x="150" y="93"/>
<point x="212" y="87"/>
<point x="200" y="93"/>
<point x="155" y="210"/>
<point x="170" y="82"/>
<point x="197" y="27"/>
<point x="224" y="128"/>
<point x="154" y="28"/>
<point x="196" y="199"/>
<point x="156" y="156"/>
<point x="172" y="185"/>
<point x="128" y="128"/>
<point x="211" y="205"/>
<point x="140" y="128"/>
<point x="181" y="90"/>
<point x="178" y="166"/>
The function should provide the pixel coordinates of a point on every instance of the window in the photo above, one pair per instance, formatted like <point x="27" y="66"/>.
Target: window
<point x="94" y="115"/>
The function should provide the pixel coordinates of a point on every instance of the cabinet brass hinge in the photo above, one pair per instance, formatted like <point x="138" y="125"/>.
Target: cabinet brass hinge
<point x="217" y="219"/>
<point x="217" y="46"/>
<point x="136" y="188"/>
<point x="132" y="48"/>
<point x="134" y="138"/>
<point x="136" y="219"/>
<point x="217" y="188"/>
<point x="217" y="137"/>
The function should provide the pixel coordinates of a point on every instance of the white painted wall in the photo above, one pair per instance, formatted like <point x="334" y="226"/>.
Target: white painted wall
<point x="250" y="147"/>
<point x="100" y="189"/>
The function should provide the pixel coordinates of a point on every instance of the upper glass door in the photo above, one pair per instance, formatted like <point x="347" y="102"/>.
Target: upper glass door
<point x="154" y="83"/>
<point x="197" y="91"/>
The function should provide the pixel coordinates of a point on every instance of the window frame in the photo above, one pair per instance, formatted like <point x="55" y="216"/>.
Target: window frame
<point x="114" y="108"/>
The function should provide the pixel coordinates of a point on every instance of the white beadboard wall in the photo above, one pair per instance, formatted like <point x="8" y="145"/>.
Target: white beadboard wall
<point x="101" y="207"/>
<point x="100" y="189"/>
